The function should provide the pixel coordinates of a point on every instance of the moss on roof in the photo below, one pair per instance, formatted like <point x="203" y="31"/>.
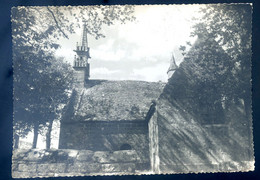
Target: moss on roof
<point x="105" y="100"/>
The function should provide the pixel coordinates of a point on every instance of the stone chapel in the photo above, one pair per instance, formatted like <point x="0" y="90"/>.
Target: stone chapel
<point x="105" y="115"/>
<point x="173" y="127"/>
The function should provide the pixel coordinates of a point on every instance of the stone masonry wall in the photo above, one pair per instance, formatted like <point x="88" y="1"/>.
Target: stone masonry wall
<point x="107" y="136"/>
<point x="42" y="163"/>
<point x="79" y="78"/>
<point x="187" y="146"/>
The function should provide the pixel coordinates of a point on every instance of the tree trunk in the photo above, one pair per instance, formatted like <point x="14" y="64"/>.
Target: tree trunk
<point x="35" y="134"/>
<point x="48" y="135"/>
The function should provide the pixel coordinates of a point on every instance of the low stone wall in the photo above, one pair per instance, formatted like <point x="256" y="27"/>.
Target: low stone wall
<point x="68" y="162"/>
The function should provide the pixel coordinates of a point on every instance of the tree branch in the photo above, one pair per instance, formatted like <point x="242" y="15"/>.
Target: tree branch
<point x="64" y="34"/>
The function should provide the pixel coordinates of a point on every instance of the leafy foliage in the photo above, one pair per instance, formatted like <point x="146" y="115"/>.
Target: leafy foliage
<point x="39" y="92"/>
<point x="39" y="27"/>
<point x="41" y="81"/>
<point x="230" y="27"/>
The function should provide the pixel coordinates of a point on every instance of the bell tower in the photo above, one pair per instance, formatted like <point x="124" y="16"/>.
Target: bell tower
<point x="81" y="64"/>
<point x="172" y="68"/>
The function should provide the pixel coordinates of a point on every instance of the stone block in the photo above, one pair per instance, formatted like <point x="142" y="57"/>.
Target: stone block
<point x="57" y="156"/>
<point x="57" y="167"/>
<point x="85" y="155"/>
<point x="15" y="165"/>
<point x="80" y="167"/>
<point x="72" y="153"/>
<point x="16" y="174"/>
<point x="27" y="167"/>
<point x="103" y="157"/>
<point x="125" y="156"/>
<point x="60" y="168"/>
<point x="46" y="174"/>
<point x="30" y="155"/>
<point x="19" y="153"/>
<point x="67" y="174"/>
<point x="43" y="168"/>
<point x="115" y="157"/>
<point x="118" y="167"/>
<point x="62" y="157"/>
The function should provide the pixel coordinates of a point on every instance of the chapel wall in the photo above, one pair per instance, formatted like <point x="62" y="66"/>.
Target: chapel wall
<point x="186" y="145"/>
<point x="108" y="136"/>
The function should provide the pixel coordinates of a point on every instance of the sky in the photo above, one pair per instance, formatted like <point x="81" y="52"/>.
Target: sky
<point x="139" y="50"/>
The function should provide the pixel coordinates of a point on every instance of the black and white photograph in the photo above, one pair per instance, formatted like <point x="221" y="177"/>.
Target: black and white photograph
<point x="131" y="90"/>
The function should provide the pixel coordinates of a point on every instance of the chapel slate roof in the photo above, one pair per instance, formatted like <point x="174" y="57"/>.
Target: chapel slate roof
<point x="198" y="84"/>
<point x="104" y="100"/>
<point x="206" y="61"/>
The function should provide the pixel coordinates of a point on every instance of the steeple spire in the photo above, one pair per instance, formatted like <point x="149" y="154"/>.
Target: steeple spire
<point x="172" y="68"/>
<point x="81" y="64"/>
<point x="84" y="39"/>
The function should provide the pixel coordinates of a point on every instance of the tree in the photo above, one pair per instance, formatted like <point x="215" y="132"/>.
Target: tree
<point x="59" y="78"/>
<point x="41" y="26"/>
<point x="28" y="73"/>
<point x="39" y="91"/>
<point x="41" y="81"/>
<point x="230" y="26"/>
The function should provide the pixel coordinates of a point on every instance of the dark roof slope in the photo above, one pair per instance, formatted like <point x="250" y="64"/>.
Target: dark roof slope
<point x="192" y="116"/>
<point x="112" y="100"/>
<point x="199" y="82"/>
<point x="205" y="63"/>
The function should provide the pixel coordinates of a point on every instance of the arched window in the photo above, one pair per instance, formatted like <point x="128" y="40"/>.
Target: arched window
<point x="125" y="147"/>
